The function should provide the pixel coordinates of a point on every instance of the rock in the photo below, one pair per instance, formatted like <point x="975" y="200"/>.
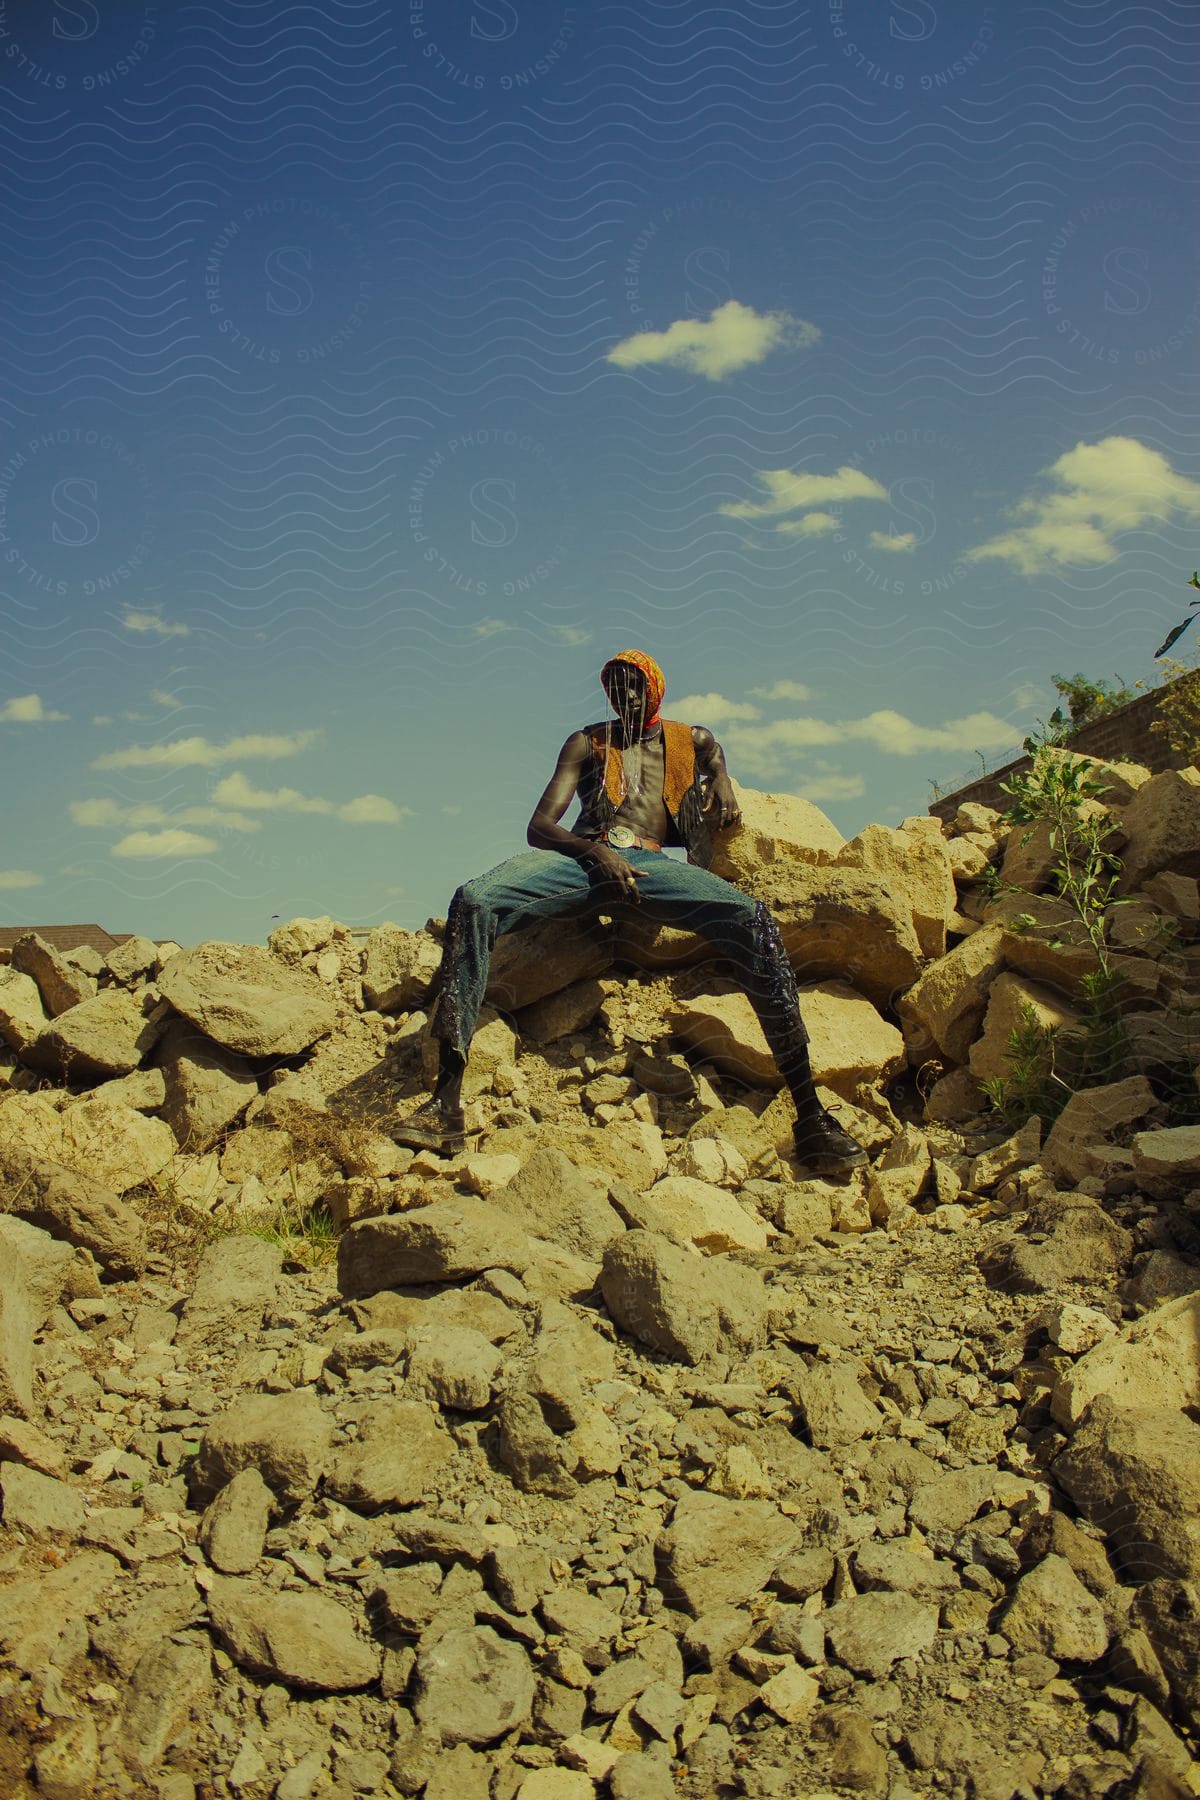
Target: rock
<point x="916" y="870"/>
<point x="836" y="1410"/>
<point x="286" y="1437"/>
<point x="1068" y="1238"/>
<point x="991" y="1166"/>
<point x="954" y="1098"/>
<point x="1052" y="1612"/>
<point x="1162" y="1275"/>
<point x="857" y="1761"/>
<point x="61" y="984"/>
<point x="39" y="1503"/>
<point x="145" y="1090"/>
<point x="791" y="1694"/>
<point x="722" y="1028"/>
<point x="1178" y="895"/>
<point x="233" y="1527"/>
<point x="700" y="1213"/>
<point x="1166" y="1163"/>
<point x="557" y="1784"/>
<point x="678" y="1303"/>
<point x="845" y="925"/>
<point x="719" y="1552"/>
<point x="1135" y="1473"/>
<point x="170" y="1686"/>
<point x="24" y="1443"/>
<point x="1011" y="999"/>
<point x="538" y="1458"/>
<point x="303" y="1640"/>
<point x="544" y="959"/>
<point x="1075" y="1329"/>
<point x="394" y="1460"/>
<point x="236" y="1281"/>
<point x="872" y="1631"/>
<point x="398" y="968"/>
<point x="775" y="830"/>
<point x="207" y="1088"/>
<point x="35" y="1268"/>
<point x="899" y="1175"/>
<point x="942" y="1011"/>
<point x="563" y="1014"/>
<point x="1169" y="1613"/>
<point x="1154" y="1362"/>
<point x="714" y="1160"/>
<point x="454" y="1366"/>
<point x="904" y="1568"/>
<point x="108" y="1034"/>
<point x="550" y="1197"/>
<point x="448" y="1241"/>
<point x="23" y="1018"/>
<point x="473" y="1686"/>
<point x="66" y="1767"/>
<point x="1162" y="828"/>
<point x="1095" y="1116"/>
<point x="35" y="1608"/>
<point x="848" y="1041"/>
<point x="77" y="1210"/>
<point x="245" y="999"/>
<point x="951" y="1501"/>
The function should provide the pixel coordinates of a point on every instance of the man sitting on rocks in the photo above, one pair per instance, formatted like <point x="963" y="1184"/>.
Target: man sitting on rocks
<point x="642" y="782"/>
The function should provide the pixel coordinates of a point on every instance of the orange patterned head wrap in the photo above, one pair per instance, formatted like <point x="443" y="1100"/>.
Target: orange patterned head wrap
<point x="656" y="682"/>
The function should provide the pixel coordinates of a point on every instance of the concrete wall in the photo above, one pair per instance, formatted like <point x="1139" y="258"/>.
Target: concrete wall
<point x="1122" y="736"/>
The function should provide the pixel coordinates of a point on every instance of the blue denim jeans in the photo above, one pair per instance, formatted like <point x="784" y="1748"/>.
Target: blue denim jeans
<point x="541" y="884"/>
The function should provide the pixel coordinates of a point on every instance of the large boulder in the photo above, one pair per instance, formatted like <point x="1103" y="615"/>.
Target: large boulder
<point x="448" y="1241"/>
<point x="542" y="959"/>
<point x="247" y="1000"/>
<point x="61" y="984"/>
<point x="722" y="1552"/>
<point x="207" y="1088"/>
<point x="473" y="1686"/>
<point x="35" y="1268"/>
<point x="551" y="1197"/>
<point x="1065" y="1238"/>
<point x="1162" y="828"/>
<point x="721" y="1027"/>
<point x="233" y="1286"/>
<point x="1092" y="1119"/>
<point x="942" y="1011"/>
<point x="398" y="968"/>
<point x="1166" y="1163"/>
<point x="304" y="1640"/>
<point x="23" y="1018"/>
<point x="698" y="1212"/>
<point x="72" y="1207"/>
<point x="109" y="1034"/>
<point x="679" y="1303"/>
<point x="1010" y="1001"/>
<point x="775" y="830"/>
<point x="1135" y="1473"/>
<point x="1155" y="1362"/>
<point x="917" y="869"/>
<point x="286" y="1437"/>
<point x="847" y="925"/>
<point x="849" y="1043"/>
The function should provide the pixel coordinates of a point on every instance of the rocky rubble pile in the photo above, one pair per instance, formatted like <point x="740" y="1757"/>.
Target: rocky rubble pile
<point x="612" y="1457"/>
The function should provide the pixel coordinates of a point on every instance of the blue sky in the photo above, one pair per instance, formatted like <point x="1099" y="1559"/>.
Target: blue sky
<point x="376" y="371"/>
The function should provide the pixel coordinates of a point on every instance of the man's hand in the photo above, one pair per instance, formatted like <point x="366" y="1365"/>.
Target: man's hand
<point x="720" y="805"/>
<point x="611" y="870"/>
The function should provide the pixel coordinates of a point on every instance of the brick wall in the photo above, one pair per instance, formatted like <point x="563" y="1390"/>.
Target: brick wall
<point x="1122" y="736"/>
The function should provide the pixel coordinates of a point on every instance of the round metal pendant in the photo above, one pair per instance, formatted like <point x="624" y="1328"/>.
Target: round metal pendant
<point x="621" y="837"/>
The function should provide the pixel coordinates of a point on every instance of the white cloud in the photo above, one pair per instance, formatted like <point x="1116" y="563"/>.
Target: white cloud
<point x="764" y="750"/>
<point x="103" y="719"/>
<point x="367" y="809"/>
<point x="783" y="690"/>
<point x="793" y="490"/>
<point x="145" y="845"/>
<point x="893" y="540"/>
<point x="162" y="698"/>
<point x="831" y="787"/>
<point x="1094" y="491"/>
<point x="1027" y="693"/>
<point x="27" y="709"/>
<point x="19" y="878"/>
<point x="198" y="752"/>
<point x="109" y="812"/>
<point x="813" y="524"/>
<point x="489" y="627"/>
<point x="572" y="635"/>
<point x="712" y="709"/>
<point x="733" y="338"/>
<point x="153" y="622"/>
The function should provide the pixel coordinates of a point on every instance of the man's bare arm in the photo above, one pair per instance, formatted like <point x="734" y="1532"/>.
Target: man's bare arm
<point x="720" y="803"/>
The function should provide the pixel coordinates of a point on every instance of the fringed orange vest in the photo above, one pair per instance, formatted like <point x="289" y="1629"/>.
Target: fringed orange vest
<point x="683" y="795"/>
